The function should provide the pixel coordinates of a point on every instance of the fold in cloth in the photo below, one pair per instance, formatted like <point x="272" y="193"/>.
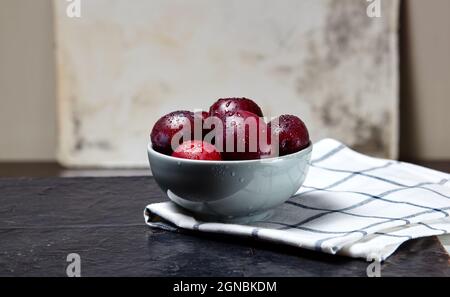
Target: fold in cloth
<point x="350" y="204"/>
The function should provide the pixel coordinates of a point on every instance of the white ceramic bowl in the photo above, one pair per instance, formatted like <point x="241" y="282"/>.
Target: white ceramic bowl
<point x="230" y="191"/>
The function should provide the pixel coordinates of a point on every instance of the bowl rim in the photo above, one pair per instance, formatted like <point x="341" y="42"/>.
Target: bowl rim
<point x="304" y="151"/>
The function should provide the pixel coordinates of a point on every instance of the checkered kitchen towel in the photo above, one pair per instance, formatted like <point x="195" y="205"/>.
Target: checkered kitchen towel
<point x="350" y="204"/>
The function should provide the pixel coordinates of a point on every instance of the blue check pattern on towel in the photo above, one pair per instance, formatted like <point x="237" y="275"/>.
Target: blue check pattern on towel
<point x="350" y="204"/>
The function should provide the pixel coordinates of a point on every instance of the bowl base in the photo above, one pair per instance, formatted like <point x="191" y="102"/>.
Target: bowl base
<point x="260" y="216"/>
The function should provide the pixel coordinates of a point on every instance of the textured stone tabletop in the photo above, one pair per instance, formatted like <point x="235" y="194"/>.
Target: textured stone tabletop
<point x="42" y="220"/>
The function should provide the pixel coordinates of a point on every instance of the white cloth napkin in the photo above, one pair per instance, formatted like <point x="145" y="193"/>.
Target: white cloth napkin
<point x="349" y="204"/>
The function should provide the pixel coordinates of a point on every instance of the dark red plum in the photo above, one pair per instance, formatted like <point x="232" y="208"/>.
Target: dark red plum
<point x="228" y="106"/>
<point x="197" y="150"/>
<point x="204" y="115"/>
<point x="167" y="126"/>
<point x="292" y="134"/>
<point x="237" y="129"/>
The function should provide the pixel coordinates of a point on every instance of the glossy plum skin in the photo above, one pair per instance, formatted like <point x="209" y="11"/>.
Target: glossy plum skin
<point x="292" y="134"/>
<point x="197" y="150"/>
<point x="167" y="126"/>
<point x="232" y="124"/>
<point x="204" y="115"/>
<point x="228" y="106"/>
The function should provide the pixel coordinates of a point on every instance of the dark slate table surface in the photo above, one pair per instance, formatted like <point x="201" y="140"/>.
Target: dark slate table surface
<point x="42" y="220"/>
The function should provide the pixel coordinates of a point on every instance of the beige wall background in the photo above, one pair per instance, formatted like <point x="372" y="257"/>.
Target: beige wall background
<point x="27" y="81"/>
<point x="27" y="88"/>
<point x="425" y="76"/>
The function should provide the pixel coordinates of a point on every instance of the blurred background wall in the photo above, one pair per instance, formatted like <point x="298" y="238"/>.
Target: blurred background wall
<point x="27" y="80"/>
<point x="425" y="77"/>
<point x="122" y="66"/>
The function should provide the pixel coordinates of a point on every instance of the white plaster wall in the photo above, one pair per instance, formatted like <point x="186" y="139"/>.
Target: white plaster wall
<point x="121" y="66"/>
